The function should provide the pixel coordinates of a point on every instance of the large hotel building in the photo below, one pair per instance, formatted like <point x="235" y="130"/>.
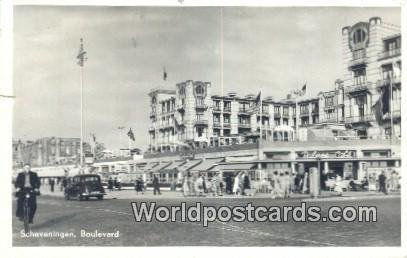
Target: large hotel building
<point x="353" y="129"/>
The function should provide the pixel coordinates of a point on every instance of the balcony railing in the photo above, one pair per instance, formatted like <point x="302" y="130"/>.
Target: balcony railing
<point x="216" y="124"/>
<point x="359" y="119"/>
<point x="201" y="122"/>
<point x="227" y="109"/>
<point x="390" y="53"/>
<point x="358" y="87"/>
<point x="200" y="105"/>
<point x="304" y="113"/>
<point x="244" y="110"/>
<point x="386" y="82"/>
<point x="315" y="111"/>
<point x="244" y="125"/>
<point x="216" y="108"/>
<point x="277" y="115"/>
<point x="226" y="124"/>
<point x="358" y="61"/>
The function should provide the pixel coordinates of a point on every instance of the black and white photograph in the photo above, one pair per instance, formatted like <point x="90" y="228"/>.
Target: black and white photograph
<point x="206" y="126"/>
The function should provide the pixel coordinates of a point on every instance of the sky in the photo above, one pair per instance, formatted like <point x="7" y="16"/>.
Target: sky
<point x="276" y="49"/>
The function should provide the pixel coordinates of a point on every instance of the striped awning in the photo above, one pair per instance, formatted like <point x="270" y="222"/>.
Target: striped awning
<point x="189" y="164"/>
<point x="149" y="166"/>
<point x="207" y="164"/>
<point x="160" y="167"/>
<point x="234" y="166"/>
<point x="174" y="165"/>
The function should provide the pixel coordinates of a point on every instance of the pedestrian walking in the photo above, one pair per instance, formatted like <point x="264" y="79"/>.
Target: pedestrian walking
<point x="52" y="184"/>
<point x="156" y="185"/>
<point x="185" y="185"/>
<point x="382" y="183"/>
<point x="236" y="183"/>
<point x="246" y="184"/>
<point x="139" y="186"/>
<point x="110" y="184"/>
<point x="229" y="184"/>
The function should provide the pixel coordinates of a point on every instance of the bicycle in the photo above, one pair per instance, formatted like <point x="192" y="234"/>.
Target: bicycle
<point x="26" y="212"/>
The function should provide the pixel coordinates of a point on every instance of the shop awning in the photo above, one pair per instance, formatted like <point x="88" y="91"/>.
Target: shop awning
<point x="160" y="167"/>
<point x="150" y="166"/>
<point x="207" y="164"/>
<point x="189" y="164"/>
<point x="174" y="165"/>
<point x="235" y="166"/>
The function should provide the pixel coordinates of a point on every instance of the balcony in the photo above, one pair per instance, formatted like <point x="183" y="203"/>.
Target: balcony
<point x="389" y="53"/>
<point x="386" y="82"/>
<point x="277" y="115"/>
<point x="359" y="119"/>
<point x="357" y="62"/>
<point x="201" y="122"/>
<point x="200" y="105"/>
<point x="227" y="109"/>
<point x="304" y="113"/>
<point x="151" y="128"/>
<point x="226" y="124"/>
<point x="216" y="124"/>
<point x="364" y="86"/>
<point x="315" y="111"/>
<point x="216" y="109"/>
<point x="244" y="125"/>
<point x="244" y="111"/>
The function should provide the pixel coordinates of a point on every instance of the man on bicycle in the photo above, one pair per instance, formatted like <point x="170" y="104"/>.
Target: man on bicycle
<point x="27" y="182"/>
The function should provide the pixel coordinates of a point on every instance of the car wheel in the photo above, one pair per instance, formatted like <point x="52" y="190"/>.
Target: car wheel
<point x="100" y="197"/>
<point x="79" y="198"/>
<point x="67" y="196"/>
<point x="87" y="198"/>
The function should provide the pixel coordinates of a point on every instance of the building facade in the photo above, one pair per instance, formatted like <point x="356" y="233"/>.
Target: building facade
<point x="362" y="105"/>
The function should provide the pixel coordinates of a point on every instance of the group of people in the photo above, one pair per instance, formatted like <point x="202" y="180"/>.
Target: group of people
<point x="199" y="185"/>
<point x="115" y="183"/>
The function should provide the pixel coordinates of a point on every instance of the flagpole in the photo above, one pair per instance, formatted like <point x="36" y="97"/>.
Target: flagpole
<point x="296" y="116"/>
<point x="391" y="106"/>
<point x="81" y="147"/>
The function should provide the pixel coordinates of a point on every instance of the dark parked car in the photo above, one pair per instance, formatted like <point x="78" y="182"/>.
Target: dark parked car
<point x="82" y="187"/>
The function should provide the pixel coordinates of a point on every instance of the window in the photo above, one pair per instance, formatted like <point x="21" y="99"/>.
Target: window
<point x="200" y="90"/>
<point x="359" y="36"/>
<point x="153" y="100"/>
<point x="216" y="118"/>
<point x="277" y="110"/>
<point x="265" y="108"/>
<point x="329" y="101"/>
<point x="199" y="116"/>
<point x="285" y="111"/>
<point x="387" y="71"/>
<point x="216" y="104"/>
<point x="226" y="106"/>
<point x="200" y="101"/>
<point x="277" y="122"/>
<point x="304" y="109"/>
<point x="359" y="76"/>
<point x="182" y="91"/>
<point x="226" y="119"/>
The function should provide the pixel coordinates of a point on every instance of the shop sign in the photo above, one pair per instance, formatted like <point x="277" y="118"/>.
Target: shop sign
<point x="344" y="154"/>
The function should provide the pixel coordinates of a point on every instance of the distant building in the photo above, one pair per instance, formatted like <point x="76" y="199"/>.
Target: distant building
<point x="47" y="151"/>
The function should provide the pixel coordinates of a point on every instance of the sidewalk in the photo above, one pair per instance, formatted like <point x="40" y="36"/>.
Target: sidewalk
<point x="131" y="194"/>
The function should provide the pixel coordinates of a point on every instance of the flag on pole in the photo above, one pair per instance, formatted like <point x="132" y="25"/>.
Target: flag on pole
<point x="131" y="135"/>
<point x="81" y="54"/>
<point x="164" y="74"/>
<point x="256" y="105"/>
<point x="304" y="89"/>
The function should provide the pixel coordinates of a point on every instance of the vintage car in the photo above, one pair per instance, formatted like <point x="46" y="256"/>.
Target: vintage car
<point x="82" y="187"/>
